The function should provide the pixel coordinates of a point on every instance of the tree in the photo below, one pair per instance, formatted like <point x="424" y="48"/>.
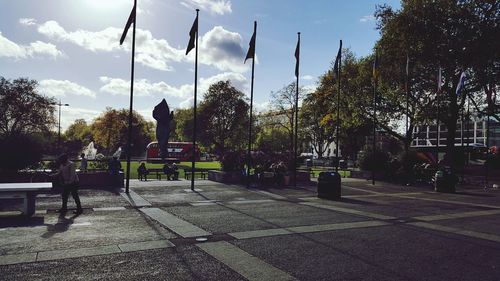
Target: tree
<point x="80" y="131"/>
<point x="283" y="109"/>
<point x="313" y="111"/>
<point x="110" y="131"/>
<point x="223" y="118"/>
<point x="183" y="119"/>
<point x="23" y="110"/>
<point x="453" y="35"/>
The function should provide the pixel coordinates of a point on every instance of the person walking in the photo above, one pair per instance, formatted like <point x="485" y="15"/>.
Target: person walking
<point x="69" y="182"/>
<point x="83" y="163"/>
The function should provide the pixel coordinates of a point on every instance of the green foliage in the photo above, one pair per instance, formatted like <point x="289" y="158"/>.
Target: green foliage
<point x="110" y="130"/>
<point x="23" y="110"/>
<point x="232" y="161"/>
<point x="223" y="118"/>
<point x="19" y="152"/>
<point x="378" y="161"/>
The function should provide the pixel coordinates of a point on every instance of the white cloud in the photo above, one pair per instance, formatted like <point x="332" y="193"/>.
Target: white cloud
<point x="11" y="49"/>
<point x="223" y="49"/>
<point x="367" y="18"/>
<point x="145" y="88"/>
<point x="60" y="88"/>
<point x="69" y="114"/>
<point x="219" y="7"/>
<point x="219" y="48"/>
<point x="310" y="88"/>
<point x="307" y="77"/>
<point x="27" y="21"/>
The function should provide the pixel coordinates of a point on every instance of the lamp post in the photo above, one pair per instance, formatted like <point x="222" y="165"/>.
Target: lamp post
<point x="59" y="123"/>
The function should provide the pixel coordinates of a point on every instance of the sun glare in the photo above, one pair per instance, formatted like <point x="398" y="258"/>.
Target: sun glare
<point x="108" y="4"/>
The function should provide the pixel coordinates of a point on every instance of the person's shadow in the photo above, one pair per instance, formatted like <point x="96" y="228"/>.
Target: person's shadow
<point x="62" y="225"/>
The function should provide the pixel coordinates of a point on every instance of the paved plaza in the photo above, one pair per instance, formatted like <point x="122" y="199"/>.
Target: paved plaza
<point x="162" y="230"/>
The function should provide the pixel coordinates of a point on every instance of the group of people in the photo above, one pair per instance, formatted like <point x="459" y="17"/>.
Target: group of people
<point x="171" y="171"/>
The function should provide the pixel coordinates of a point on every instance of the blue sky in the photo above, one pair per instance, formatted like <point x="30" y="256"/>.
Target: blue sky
<point x="72" y="47"/>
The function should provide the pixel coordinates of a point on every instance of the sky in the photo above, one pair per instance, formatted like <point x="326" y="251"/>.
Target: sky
<point x="72" y="48"/>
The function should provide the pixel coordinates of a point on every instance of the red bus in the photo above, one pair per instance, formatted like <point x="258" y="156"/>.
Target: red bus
<point x="177" y="151"/>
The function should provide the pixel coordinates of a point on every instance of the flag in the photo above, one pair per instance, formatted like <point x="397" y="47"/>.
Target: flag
<point x="336" y="69"/>
<point x="297" y="57"/>
<point x="131" y="19"/>
<point x="251" y="48"/>
<point x="192" y="35"/>
<point x="375" y="66"/>
<point x="461" y="83"/>
<point x="439" y="79"/>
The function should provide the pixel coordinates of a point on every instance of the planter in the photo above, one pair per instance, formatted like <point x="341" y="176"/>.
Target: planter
<point x="225" y="177"/>
<point x="100" y="180"/>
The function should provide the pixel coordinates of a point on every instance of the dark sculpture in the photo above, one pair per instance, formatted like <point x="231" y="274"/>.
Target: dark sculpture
<point x="163" y="116"/>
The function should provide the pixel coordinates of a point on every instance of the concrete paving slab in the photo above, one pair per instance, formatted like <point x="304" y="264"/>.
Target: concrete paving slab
<point x="260" y="233"/>
<point x="175" y="224"/>
<point x="181" y="264"/>
<point x="105" y="209"/>
<point x="335" y="226"/>
<point x="91" y="229"/>
<point x="458" y="215"/>
<point x="145" y="245"/>
<point x="18" y="258"/>
<point x="243" y="263"/>
<point x="287" y="214"/>
<point x="77" y="253"/>
<point x="470" y="233"/>
<point x="348" y="211"/>
<point x="135" y="199"/>
<point x="221" y="219"/>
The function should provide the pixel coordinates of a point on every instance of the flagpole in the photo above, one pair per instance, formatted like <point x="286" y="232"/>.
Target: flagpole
<point x="407" y="106"/>
<point x="408" y="136"/>
<point x="129" y="139"/>
<point x="338" y="113"/>
<point x="437" y="121"/>
<point x="193" y="160"/>
<point x="296" y="116"/>
<point x="249" y="157"/>
<point x="374" y="115"/>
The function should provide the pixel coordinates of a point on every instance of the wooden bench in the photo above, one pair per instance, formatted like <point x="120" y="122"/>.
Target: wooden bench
<point x="25" y="191"/>
<point x="157" y="171"/>
<point x="203" y="173"/>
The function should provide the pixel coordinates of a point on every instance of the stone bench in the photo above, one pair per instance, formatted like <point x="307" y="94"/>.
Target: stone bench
<point x="25" y="191"/>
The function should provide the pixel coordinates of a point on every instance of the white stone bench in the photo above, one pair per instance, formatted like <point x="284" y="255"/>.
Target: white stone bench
<point x="25" y="191"/>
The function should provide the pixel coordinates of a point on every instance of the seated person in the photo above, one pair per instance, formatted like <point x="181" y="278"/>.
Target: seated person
<point x="171" y="171"/>
<point x="114" y="166"/>
<point x="142" y="171"/>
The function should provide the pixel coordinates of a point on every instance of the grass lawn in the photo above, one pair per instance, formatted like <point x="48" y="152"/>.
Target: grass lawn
<point x="200" y="165"/>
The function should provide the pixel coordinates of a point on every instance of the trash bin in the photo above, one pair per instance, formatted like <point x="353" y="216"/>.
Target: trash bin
<point x="445" y="181"/>
<point x="309" y="163"/>
<point x="329" y="185"/>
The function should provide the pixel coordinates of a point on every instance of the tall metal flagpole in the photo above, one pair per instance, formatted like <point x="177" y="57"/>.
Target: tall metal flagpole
<point x="407" y="104"/>
<point x="249" y="156"/>
<point x="129" y="139"/>
<point x="193" y="160"/>
<point x="338" y="112"/>
<point x="296" y="115"/>
<point x="374" y="114"/>
<point x="438" y="111"/>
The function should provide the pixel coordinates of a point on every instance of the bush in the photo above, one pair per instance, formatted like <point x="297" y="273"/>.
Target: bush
<point x="231" y="161"/>
<point x="19" y="152"/>
<point x="378" y="161"/>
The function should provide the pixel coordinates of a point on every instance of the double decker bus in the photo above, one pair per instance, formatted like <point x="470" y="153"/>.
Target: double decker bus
<point x="177" y="151"/>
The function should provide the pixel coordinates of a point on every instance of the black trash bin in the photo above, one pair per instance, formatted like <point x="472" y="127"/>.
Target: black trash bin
<point x="329" y="185"/>
<point x="445" y="181"/>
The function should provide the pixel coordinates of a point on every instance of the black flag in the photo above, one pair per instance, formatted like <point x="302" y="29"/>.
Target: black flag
<point x="251" y="49"/>
<point x="131" y="19"/>
<point x="337" y="61"/>
<point x="297" y="57"/>
<point x="192" y="35"/>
